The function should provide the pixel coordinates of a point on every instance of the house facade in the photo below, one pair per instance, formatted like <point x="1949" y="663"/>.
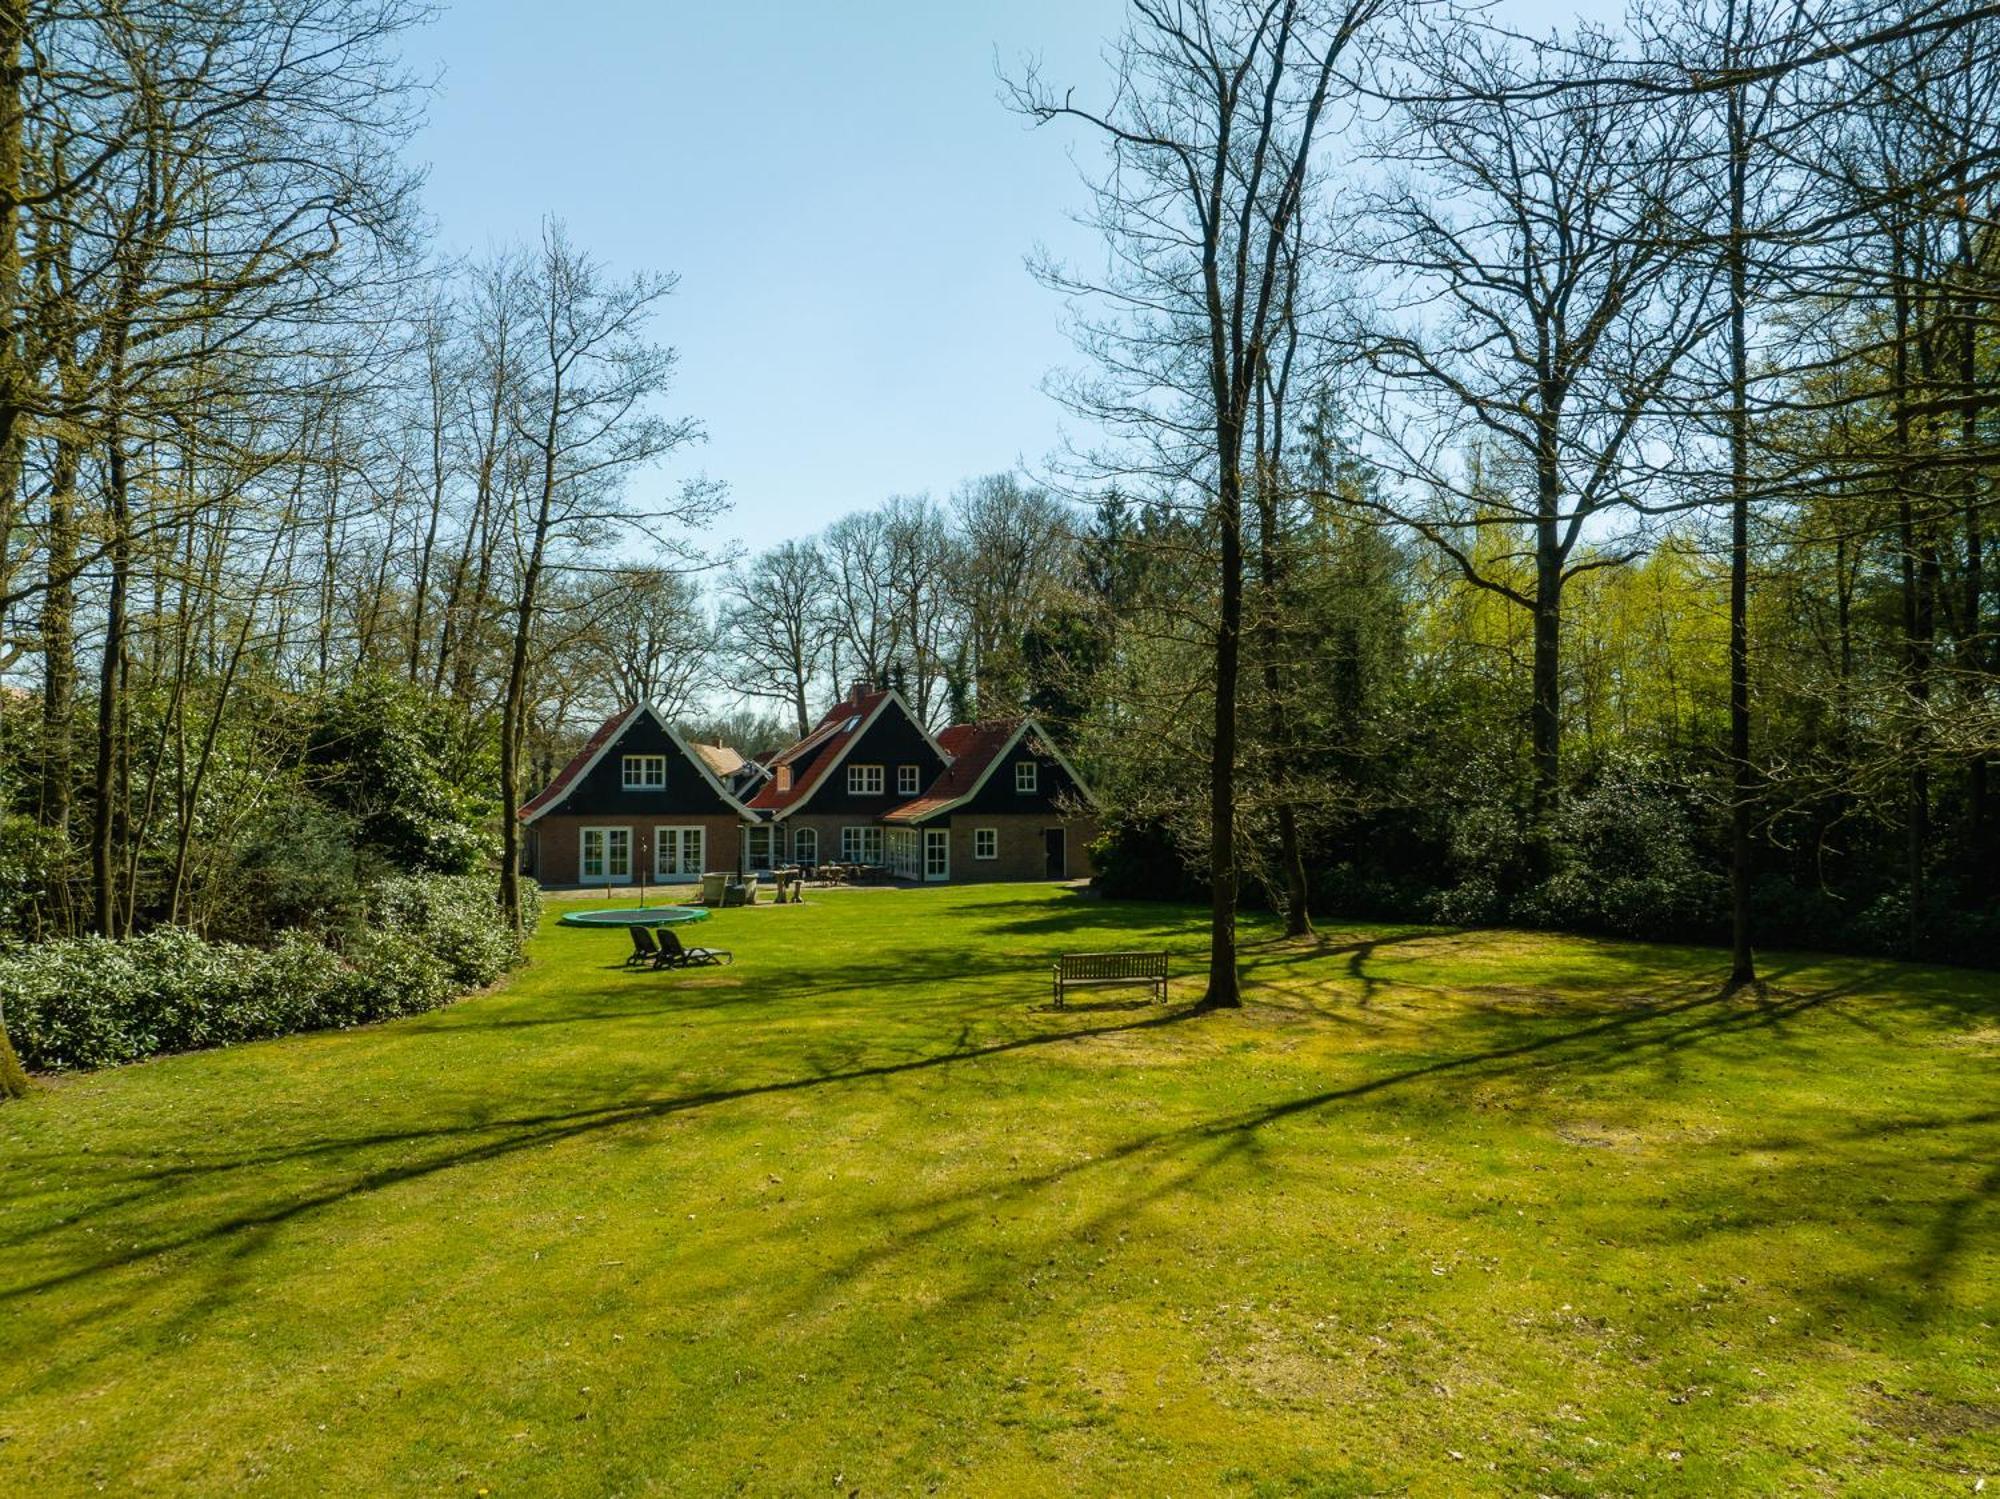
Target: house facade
<point x="1009" y="807"/>
<point x="994" y="800"/>
<point x="636" y="800"/>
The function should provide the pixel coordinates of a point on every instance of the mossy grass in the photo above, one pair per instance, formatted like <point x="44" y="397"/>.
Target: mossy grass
<point x="13" y="1078"/>
<point x="1433" y="1213"/>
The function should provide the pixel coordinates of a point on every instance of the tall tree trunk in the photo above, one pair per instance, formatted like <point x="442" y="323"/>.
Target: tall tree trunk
<point x="1277" y="726"/>
<point x="13" y="376"/>
<point x="58" y="642"/>
<point x="1545" y="705"/>
<point x="1970" y="475"/>
<point x="1916" y="613"/>
<point x="1742" y="962"/>
<point x="105" y="785"/>
<point x="1224" y="985"/>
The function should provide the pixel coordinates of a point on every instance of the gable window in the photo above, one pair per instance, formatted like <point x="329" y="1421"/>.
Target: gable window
<point x="784" y="779"/>
<point x="1024" y="776"/>
<point x="861" y="845"/>
<point x="985" y="843"/>
<point x="645" y="772"/>
<point x="907" y="778"/>
<point x="864" y="780"/>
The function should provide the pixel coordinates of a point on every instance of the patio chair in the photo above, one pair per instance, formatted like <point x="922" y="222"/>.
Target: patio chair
<point x="676" y="954"/>
<point x="644" y="948"/>
<point x="713" y="888"/>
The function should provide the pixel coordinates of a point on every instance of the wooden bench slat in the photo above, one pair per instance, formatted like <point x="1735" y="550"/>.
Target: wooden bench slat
<point x="1148" y="968"/>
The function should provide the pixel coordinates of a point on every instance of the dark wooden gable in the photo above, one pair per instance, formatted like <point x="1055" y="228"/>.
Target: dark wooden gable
<point x="892" y="740"/>
<point x="1054" y="789"/>
<point x="601" y="791"/>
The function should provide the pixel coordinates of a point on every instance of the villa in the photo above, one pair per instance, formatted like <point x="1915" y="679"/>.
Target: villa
<point x="993" y="800"/>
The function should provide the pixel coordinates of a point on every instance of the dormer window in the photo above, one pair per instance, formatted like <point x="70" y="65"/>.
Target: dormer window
<point x="864" y="780"/>
<point x="645" y="772"/>
<point x="907" y="778"/>
<point x="1024" y="777"/>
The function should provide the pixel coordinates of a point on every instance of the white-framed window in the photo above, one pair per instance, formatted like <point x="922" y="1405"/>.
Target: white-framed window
<point x="679" y="853"/>
<point x="805" y="845"/>
<point x="604" y="856"/>
<point x="861" y="845"/>
<point x="937" y="853"/>
<point x="909" y="779"/>
<point x="757" y="846"/>
<point x="985" y="843"/>
<point x="864" y="780"/>
<point x="1024" y="776"/>
<point x="900" y="852"/>
<point x="645" y="772"/>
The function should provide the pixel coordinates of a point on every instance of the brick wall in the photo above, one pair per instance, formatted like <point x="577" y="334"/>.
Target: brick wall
<point x="1022" y="852"/>
<point x="557" y="840"/>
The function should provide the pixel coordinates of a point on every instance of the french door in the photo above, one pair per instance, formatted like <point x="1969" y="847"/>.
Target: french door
<point x="679" y="853"/>
<point x="605" y="856"/>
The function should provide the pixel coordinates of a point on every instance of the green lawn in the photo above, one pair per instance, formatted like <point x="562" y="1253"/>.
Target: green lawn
<point x="1435" y="1213"/>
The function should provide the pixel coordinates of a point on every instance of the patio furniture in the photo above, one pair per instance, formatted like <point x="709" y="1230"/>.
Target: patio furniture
<point x="1076" y="969"/>
<point x="713" y="887"/>
<point x="676" y="954"/>
<point x="644" y="948"/>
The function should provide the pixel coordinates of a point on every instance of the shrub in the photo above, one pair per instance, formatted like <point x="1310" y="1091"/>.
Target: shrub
<point x="376" y="754"/>
<point x="90" y="1002"/>
<point x="454" y="917"/>
<point x="1627" y="861"/>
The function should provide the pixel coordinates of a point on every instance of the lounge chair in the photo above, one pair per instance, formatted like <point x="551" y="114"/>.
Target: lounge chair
<point x="644" y="948"/>
<point x="676" y="954"/>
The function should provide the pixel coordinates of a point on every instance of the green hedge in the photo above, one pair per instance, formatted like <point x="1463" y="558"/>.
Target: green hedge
<point x="90" y="1002"/>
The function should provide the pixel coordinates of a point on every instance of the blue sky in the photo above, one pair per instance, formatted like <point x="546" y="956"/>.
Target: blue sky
<point x="843" y="195"/>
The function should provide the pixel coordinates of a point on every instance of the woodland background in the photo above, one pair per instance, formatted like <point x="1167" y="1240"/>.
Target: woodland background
<point x="1590" y="507"/>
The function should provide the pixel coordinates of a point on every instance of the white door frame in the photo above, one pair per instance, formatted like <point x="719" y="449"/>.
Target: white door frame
<point x="939" y="838"/>
<point x="701" y="850"/>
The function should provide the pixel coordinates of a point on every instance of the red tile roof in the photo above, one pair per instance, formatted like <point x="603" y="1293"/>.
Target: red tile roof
<point x="972" y="747"/>
<point x="813" y="756"/>
<point x="558" y="788"/>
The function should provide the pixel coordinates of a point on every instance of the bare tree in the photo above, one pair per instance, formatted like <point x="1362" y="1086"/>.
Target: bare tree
<point x="1015" y="551"/>
<point x="860" y="561"/>
<point x="778" y="623"/>
<point x="647" y="637"/>
<point x="584" y="419"/>
<point x="1545" y="233"/>
<point x="1217" y="110"/>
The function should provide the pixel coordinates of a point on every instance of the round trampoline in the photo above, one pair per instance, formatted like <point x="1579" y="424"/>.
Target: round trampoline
<point x="636" y="916"/>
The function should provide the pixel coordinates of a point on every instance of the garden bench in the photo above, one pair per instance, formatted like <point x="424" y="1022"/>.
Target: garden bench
<point x="1078" y="969"/>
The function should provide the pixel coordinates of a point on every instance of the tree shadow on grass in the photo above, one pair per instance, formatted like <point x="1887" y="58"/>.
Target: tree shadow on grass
<point x="515" y="1133"/>
<point x="1601" y="1044"/>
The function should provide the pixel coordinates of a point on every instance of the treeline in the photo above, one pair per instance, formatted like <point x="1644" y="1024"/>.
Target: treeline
<point x="1570" y="461"/>
<point x="292" y="512"/>
<point x="1527" y="479"/>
